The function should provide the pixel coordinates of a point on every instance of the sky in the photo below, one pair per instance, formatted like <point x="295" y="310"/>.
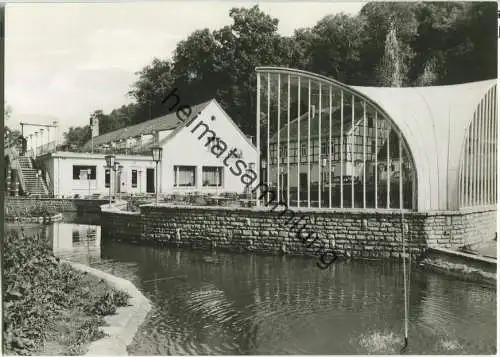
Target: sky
<point x="63" y="61"/>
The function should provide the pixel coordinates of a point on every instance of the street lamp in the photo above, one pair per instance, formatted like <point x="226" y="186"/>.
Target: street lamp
<point x="89" y="171"/>
<point x="157" y="155"/>
<point x="251" y="168"/>
<point x="119" y="169"/>
<point x="38" y="175"/>
<point x="110" y="164"/>
<point x="263" y="165"/>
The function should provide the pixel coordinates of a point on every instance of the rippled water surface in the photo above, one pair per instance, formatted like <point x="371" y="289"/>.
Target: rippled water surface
<point x="222" y="303"/>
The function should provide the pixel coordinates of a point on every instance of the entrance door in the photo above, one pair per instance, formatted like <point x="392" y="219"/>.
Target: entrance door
<point x="150" y="180"/>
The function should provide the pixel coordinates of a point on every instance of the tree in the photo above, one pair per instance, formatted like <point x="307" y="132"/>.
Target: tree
<point x="334" y="46"/>
<point x="393" y="69"/>
<point x="378" y="17"/>
<point x="76" y="137"/>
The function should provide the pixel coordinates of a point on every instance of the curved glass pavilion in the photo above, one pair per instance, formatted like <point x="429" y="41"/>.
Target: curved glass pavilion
<point x="329" y="145"/>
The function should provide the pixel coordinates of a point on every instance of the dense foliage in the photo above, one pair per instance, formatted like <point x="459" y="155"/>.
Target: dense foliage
<point x="436" y="43"/>
<point x="46" y="302"/>
<point x="29" y="208"/>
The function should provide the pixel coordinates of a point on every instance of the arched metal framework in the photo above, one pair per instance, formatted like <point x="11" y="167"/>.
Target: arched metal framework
<point x="326" y="145"/>
<point x="478" y="168"/>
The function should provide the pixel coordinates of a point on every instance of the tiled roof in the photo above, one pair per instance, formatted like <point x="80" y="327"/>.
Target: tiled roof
<point x="165" y="122"/>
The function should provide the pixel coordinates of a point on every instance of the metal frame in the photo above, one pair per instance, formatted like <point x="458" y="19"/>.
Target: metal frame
<point x="358" y="131"/>
<point x="477" y="175"/>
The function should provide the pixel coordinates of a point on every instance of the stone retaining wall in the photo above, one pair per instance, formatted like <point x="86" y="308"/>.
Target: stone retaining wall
<point x="310" y="232"/>
<point x="121" y="225"/>
<point x="58" y="204"/>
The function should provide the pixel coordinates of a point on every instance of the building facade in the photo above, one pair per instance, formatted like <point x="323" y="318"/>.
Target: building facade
<point x="190" y="163"/>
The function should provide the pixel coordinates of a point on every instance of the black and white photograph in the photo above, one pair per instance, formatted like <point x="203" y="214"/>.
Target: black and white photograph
<point x="249" y="178"/>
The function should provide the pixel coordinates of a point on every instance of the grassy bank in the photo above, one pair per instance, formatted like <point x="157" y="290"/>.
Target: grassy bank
<point x="49" y="308"/>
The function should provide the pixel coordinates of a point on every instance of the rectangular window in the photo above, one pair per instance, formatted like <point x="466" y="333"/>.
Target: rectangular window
<point x="107" y="178"/>
<point x="185" y="176"/>
<point x="81" y="172"/>
<point x="303" y="152"/>
<point x="212" y="176"/>
<point x="134" y="178"/>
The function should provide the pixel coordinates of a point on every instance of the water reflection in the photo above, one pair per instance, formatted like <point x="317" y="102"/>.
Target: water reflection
<point x="76" y="242"/>
<point x="223" y="303"/>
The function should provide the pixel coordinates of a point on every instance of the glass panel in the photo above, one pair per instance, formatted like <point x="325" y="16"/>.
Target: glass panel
<point x="354" y="155"/>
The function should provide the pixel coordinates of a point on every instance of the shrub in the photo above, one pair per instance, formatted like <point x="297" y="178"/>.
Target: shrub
<point x="39" y="292"/>
<point x="29" y="208"/>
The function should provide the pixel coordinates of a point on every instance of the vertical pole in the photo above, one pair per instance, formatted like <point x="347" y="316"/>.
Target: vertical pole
<point x="488" y="148"/>
<point x="330" y="152"/>
<point x="288" y="148"/>
<point x="320" y="163"/>
<point x="299" y="146"/>
<point x="364" y="154"/>
<point x="388" y="176"/>
<point x="352" y="151"/>
<point x="484" y="143"/>
<point x="157" y="184"/>
<point x="376" y="159"/>
<point x="278" y="146"/>
<point x="342" y="149"/>
<point x="480" y="152"/>
<point x="110" y="181"/>
<point x="474" y="158"/>
<point x="309" y="145"/>
<point x="467" y="168"/>
<point x="268" y="169"/>
<point x="259" y="159"/>
<point x="493" y="148"/>
<point x="404" y="243"/>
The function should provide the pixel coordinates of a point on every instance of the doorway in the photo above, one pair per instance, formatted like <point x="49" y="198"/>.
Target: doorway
<point x="150" y="180"/>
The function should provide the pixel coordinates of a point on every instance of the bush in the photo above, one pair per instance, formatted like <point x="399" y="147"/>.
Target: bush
<point x="40" y="292"/>
<point x="29" y="208"/>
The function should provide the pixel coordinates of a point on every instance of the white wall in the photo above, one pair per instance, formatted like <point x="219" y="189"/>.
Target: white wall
<point x="60" y="168"/>
<point x="186" y="149"/>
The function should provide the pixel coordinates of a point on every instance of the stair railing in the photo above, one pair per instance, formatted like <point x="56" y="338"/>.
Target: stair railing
<point x="16" y="165"/>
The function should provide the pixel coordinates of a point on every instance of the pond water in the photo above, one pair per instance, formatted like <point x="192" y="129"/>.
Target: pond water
<point x="228" y="303"/>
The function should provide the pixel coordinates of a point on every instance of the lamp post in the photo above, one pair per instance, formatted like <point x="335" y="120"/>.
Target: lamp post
<point x="263" y="173"/>
<point x="282" y="182"/>
<point x="119" y="170"/>
<point x="89" y="171"/>
<point x="252" y="168"/>
<point x="38" y="175"/>
<point x="157" y="156"/>
<point x="110" y="164"/>
<point x="139" y="172"/>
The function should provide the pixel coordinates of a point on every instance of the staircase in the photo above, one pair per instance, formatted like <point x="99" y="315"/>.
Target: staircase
<point x="32" y="184"/>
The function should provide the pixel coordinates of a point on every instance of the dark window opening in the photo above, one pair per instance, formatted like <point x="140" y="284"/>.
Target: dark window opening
<point x="134" y="178"/>
<point x="80" y="172"/>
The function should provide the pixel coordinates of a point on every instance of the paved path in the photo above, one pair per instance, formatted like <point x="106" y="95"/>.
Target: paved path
<point x="485" y="249"/>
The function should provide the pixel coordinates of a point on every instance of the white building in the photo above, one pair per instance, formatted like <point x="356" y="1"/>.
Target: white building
<point x="190" y="162"/>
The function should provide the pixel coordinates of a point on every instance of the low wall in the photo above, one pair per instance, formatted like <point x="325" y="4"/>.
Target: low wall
<point x="309" y="232"/>
<point x="58" y="204"/>
<point x="121" y="225"/>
